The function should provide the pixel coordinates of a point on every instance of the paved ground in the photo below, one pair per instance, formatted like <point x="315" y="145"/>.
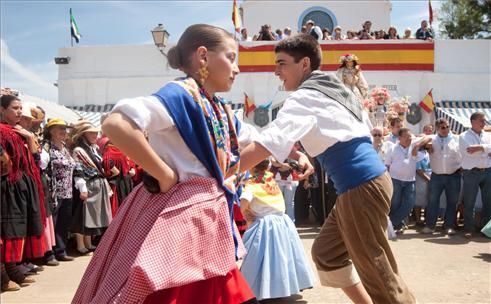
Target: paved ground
<point x="438" y="269"/>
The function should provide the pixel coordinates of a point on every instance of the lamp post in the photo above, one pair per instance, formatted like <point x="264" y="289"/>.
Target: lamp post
<point x="160" y="37"/>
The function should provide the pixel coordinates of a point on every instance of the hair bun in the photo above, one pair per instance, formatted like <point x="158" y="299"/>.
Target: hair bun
<point x="174" y="58"/>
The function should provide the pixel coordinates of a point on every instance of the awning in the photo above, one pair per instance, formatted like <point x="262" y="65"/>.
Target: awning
<point x="458" y="113"/>
<point x="92" y="113"/>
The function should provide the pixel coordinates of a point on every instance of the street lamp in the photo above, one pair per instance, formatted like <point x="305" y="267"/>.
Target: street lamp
<point x="160" y="37"/>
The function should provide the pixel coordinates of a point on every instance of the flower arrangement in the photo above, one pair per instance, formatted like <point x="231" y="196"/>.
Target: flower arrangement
<point x="380" y="96"/>
<point x="369" y="105"/>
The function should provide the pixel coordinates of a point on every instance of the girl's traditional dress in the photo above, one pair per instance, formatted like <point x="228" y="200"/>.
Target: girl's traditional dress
<point x="275" y="265"/>
<point x="179" y="246"/>
<point x="23" y="216"/>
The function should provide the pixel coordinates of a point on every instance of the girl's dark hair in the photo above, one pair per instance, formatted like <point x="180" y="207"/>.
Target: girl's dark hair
<point x="300" y="46"/>
<point x="6" y="100"/>
<point x="196" y="35"/>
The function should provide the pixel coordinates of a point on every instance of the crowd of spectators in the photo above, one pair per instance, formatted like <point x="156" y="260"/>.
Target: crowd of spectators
<point x="59" y="182"/>
<point x="266" y="33"/>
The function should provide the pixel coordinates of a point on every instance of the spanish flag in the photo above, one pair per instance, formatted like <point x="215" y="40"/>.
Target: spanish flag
<point x="427" y="103"/>
<point x="430" y="18"/>
<point x="236" y="17"/>
<point x="249" y="105"/>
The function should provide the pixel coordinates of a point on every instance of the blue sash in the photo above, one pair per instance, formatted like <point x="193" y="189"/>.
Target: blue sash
<point x="190" y="121"/>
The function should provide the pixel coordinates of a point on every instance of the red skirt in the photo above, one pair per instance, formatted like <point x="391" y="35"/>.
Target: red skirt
<point x="12" y="250"/>
<point x="229" y="289"/>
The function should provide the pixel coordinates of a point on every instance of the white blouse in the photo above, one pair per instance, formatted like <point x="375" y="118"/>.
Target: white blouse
<point x="149" y="114"/>
<point x="314" y="119"/>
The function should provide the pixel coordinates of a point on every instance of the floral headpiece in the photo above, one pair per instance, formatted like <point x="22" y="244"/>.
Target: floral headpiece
<point x="348" y="57"/>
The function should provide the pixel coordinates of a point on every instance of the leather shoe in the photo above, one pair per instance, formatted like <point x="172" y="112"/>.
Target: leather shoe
<point x="52" y="262"/>
<point x="10" y="286"/>
<point x="28" y="281"/>
<point x="65" y="258"/>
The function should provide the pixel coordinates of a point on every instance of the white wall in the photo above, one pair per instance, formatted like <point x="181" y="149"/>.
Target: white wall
<point x="105" y="74"/>
<point x="349" y="14"/>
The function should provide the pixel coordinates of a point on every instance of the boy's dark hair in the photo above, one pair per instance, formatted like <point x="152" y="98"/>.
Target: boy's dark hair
<point x="301" y="46"/>
<point x="440" y="121"/>
<point x="403" y="131"/>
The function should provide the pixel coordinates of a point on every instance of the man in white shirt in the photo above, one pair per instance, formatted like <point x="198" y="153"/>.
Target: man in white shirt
<point x="244" y="35"/>
<point x="401" y="161"/>
<point x="314" y="30"/>
<point x="332" y="126"/>
<point x="445" y="163"/>
<point x="475" y="147"/>
<point x="395" y="126"/>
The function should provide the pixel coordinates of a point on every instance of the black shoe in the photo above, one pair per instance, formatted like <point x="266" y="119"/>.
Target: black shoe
<point x="65" y="258"/>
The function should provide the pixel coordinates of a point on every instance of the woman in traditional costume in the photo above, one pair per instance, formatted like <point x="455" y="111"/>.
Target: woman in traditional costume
<point x="91" y="199"/>
<point x="349" y="72"/>
<point x="22" y="199"/>
<point x="26" y="122"/>
<point x="178" y="245"/>
<point x="275" y="265"/>
<point x="118" y="171"/>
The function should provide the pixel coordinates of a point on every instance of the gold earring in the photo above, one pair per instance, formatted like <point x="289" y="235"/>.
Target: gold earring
<point x="203" y="74"/>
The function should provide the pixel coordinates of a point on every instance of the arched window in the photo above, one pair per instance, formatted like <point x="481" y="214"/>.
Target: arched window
<point x="322" y="17"/>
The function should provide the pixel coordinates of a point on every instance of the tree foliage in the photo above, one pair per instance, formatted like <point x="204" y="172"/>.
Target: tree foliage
<point x="466" y="19"/>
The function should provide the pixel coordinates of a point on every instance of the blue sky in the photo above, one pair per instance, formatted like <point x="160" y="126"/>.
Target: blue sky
<point x="32" y="31"/>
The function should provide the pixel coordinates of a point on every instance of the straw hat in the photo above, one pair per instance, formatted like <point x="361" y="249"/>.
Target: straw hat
<point x="26" y="110"/>
<point x="56" y="122"/>
<point x="81" y="127"/>
<point x="38" y="114"/>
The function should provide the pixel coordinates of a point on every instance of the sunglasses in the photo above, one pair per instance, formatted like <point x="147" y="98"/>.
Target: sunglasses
<point x="377" y="135"/>
<point x="443" y="127"/>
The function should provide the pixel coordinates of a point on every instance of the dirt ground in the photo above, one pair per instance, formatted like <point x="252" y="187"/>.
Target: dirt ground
<point x="437" y="268"/>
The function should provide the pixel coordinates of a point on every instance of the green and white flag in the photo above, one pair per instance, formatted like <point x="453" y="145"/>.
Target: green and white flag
<point x="74" y="28"/>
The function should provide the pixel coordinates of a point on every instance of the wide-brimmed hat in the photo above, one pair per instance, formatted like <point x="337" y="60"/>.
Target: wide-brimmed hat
<point x="38" y="114"/>
<point x="81" y="127"/>
<point x="26" y="109"/>
<point x="56" y="122"/>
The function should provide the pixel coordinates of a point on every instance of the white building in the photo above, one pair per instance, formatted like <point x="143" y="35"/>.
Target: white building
<point x="457" y="70"/>
<point x="350" y="15"/>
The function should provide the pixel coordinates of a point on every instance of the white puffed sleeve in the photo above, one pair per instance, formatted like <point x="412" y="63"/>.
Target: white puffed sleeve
<point x="147" y="112"/>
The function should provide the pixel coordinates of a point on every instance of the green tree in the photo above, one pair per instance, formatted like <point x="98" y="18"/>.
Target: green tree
<point x="466" y="19"/>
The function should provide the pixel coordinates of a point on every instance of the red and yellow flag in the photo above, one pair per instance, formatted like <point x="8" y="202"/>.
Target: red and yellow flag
<point x="236" y="17"/>
<point x="249" y="105"/>
<point x="427" y="103"/>
<point x="374" y="55"/>
<point x="430" y="17"/>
